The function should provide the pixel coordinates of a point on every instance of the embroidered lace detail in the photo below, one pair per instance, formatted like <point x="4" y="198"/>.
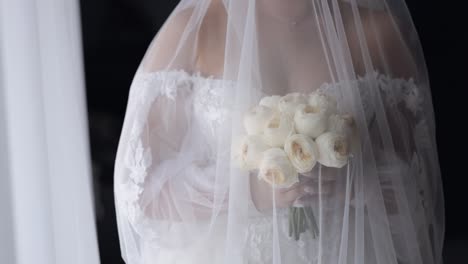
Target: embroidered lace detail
<point x="144" y="90"/>
<point x="259" y="239"/>
<point x="210" y="110"/>
<point x="375" y="86"/>
<point x="208" y="102"/>
<point x="137" y="161"/>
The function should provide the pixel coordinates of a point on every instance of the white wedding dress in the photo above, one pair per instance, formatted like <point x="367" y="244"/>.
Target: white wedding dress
<point x="167" y="241"/>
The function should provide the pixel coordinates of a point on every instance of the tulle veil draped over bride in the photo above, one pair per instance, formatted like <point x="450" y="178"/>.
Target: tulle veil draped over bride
<point x="223" y="88"/>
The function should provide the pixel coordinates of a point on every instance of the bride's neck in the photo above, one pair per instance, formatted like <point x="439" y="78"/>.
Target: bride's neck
<point x="285" y="9"/>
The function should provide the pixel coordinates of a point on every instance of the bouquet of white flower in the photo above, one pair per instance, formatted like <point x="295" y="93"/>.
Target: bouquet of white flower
<point x="287" y="136"/>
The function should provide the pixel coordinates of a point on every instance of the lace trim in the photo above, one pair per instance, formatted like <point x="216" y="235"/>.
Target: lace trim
<point x="208" y="100"/>
<point x="147" y="86"/>
<point x="259" y="237"/>
<point x="394" y="91"/>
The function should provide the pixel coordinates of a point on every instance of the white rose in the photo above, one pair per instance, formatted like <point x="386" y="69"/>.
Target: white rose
<point x="333" y="150"/>
<point x="247" y="153"/>
<point x="277" y="129"/>
<point x="342" y="124"/>
<point x="256" y="118"/>
<point x="288" y="103"/>
<point x="311" y="121"/>
<point x="302" y="152"/>
<point x="323" y="101"/>
<point x="270" y="101"/>
<point x="276" y="169"/>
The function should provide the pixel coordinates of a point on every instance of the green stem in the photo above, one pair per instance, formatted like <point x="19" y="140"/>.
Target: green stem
<point x="312" y="222"/>
<point x="302" y="219"/>
<point x="291" y="221"/>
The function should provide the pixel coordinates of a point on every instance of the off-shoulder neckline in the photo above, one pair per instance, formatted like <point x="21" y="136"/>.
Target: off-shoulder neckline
<point x="184" y="75"/>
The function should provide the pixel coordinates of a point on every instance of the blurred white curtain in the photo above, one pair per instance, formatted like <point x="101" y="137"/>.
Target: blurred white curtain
<point x="46" y="207"/>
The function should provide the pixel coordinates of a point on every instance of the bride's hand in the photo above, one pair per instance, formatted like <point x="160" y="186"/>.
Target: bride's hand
<point x="300" y="193"/>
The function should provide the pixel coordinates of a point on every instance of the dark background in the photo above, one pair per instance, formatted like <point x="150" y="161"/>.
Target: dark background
<point x="116" y="34"/>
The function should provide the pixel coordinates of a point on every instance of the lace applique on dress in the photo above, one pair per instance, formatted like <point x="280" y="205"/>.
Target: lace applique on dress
<point x="393" y="91"/>
<point x="144" y="90"/>
<point x="210" y="111"/>
<point x="259" y="238"/>
<point x="209" y="103"/>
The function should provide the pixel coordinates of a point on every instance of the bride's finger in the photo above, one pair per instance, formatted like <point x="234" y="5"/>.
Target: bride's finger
<point x="293" y="187"/>
<point x="294" y="193"/>
<point x="314" y="189"/>
<point x="305" y="179"/>
<point x="325" y="179"/>
<point x="305" y="200"/>
<point x="299" y="185"/>
<point x="327" y="174"/>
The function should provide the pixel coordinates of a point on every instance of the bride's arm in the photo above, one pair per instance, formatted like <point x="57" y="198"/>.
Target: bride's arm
<point x="380" y="46"/>
<point x="152" y="159"/>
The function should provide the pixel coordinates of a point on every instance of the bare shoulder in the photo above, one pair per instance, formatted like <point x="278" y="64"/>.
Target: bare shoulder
<point x="380" y="25"/>
<point x="387" y="49"/>
<point x="192" y="40"/>
<point x="175" y="25"/>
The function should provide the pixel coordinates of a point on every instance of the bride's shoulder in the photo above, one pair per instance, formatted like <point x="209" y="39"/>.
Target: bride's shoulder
<point x="195" y="19"/>
<point x="173" y="45"/>
<point x="370" y="16"/>
<point x="382" y="35"/>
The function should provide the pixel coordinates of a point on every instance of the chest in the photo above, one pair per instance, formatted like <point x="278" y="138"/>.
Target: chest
<point x="291" y="65"/>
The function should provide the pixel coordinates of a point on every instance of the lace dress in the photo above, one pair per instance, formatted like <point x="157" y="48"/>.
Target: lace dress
<point x="209" y="112"/>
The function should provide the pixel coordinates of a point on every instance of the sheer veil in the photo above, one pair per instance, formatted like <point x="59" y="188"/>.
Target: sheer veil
<point x="177" y="185"/>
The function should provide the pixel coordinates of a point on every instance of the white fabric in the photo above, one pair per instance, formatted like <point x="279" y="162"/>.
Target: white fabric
<point x="181" y="198"/>
<point x="46" y="207"/>
<point x="208" y="113"/>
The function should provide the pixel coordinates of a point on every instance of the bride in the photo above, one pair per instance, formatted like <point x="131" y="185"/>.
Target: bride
<point x="274" y="131"/>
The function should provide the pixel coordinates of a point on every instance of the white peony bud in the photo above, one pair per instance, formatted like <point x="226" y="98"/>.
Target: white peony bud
<point x="310" y="120"/>
<point x="321" y="100"/>
<point x="342" y="124"/>
<point x="288" y="103"/>
<point x="247" y="153"/>
<point x="302" y="152"/>
<point x="256" y="118"/>
<point x="333" y="150"/>
<point x="276" y="169"/>
<point x="270" y="101"/>
<point x="277" y="129"/>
